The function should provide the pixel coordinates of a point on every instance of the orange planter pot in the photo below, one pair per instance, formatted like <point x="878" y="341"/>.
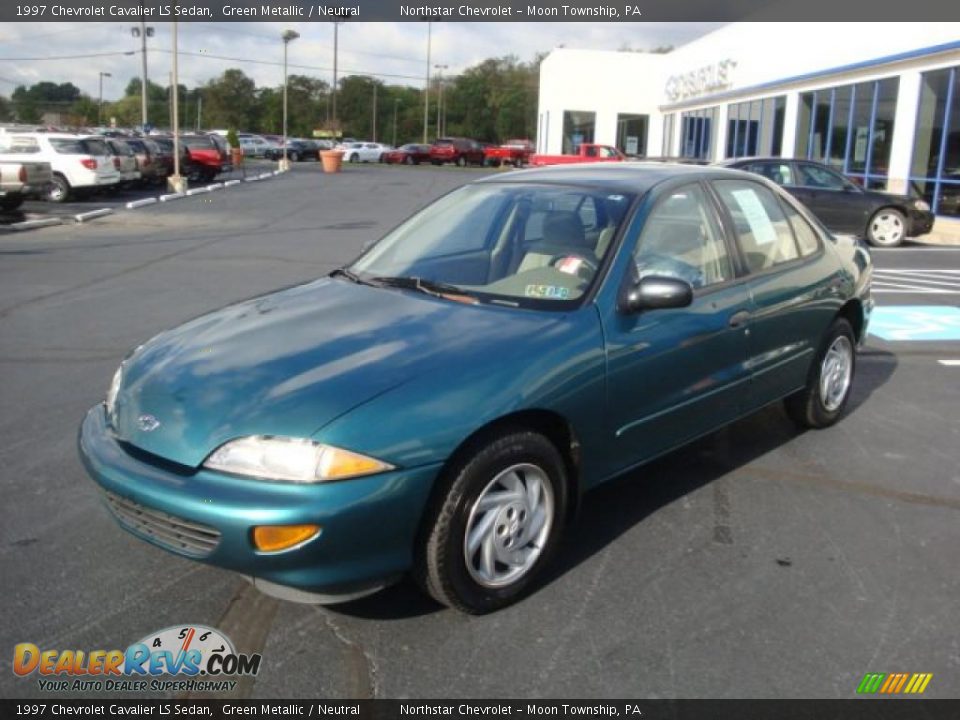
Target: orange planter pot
<point x="332" y="160"/>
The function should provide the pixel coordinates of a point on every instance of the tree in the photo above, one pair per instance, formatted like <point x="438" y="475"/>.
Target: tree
<point x="6" y="112"/>
<point x="230" y="101"/>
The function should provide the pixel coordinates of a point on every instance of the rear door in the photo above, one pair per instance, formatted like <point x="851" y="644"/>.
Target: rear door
<point x="792" y="286"/>
<point x="837" y="202"/>
<point x="679" y="373"/>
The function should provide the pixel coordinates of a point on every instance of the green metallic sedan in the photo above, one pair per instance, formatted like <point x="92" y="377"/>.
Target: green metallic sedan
<point x="438" y="406"/>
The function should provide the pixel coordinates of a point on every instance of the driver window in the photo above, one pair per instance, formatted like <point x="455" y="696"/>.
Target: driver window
<point x="818" y="177"/>
<point x="681" y="239"/>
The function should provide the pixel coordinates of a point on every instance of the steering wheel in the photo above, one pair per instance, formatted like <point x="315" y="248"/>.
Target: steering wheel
<point x="657" y="264"/>
<point x="585" y="263"/>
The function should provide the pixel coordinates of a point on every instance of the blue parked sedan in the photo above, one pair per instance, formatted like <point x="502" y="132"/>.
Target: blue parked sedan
<point x="439" y="405"/>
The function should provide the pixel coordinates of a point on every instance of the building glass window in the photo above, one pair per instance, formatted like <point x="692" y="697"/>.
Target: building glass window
<point x="632" y="134"/>
<point x="698" y="130"/>
<point x="935" y="169"/>
<point x="666" y="148"/>
<point x="755" y="127"/>
<point x="850" y="128"/>
<point x="578" y="128"/>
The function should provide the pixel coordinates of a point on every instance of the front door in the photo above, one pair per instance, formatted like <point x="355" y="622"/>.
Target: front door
<point x="675" y="374"/>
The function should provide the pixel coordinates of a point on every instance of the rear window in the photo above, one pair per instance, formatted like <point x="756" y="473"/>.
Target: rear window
<point x="18" y="144"/>
<point x="70" y="146"/>
<point x="120" y="148"/>
<point x="94" y="146"/>
<point x="197" y="143"/>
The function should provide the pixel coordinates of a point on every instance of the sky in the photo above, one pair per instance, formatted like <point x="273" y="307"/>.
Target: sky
<point x="395" y="52"/>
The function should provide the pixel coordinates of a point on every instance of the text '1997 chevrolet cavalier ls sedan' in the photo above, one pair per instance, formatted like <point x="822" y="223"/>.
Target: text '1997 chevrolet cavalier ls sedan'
<point x="439" y="405"/>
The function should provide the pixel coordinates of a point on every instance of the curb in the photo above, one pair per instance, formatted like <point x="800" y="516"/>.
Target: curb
<point x="140" y="203"/>
<point x="171" y="196"/>
<point x="83" y="217"/>
<point x="30" y="224"/>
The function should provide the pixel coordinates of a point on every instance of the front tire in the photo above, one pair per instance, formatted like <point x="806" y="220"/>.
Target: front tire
<point x="821" y="403"/>
<point x="887" y="228"/>
<point x="461" y="161"/>
<point x="408" y="160"/>
<point x="354" y="158"/>
<point x="497" y="524"/>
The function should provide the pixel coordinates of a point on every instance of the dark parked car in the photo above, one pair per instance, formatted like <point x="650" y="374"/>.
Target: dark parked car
<point x="297" y="151"/>
<point x="460" y="151"/>
<point x="410" y="154"/>
<point x="884" y="219"/>
<point x="150" y="163"/>
<point x="439" y="405"/>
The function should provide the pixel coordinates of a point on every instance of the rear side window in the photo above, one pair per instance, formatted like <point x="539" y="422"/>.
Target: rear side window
<point x="762" y="229"/>
<point x="69" y="146"/>
<point x="818" y="177"/>
<point x="18" y="144"/>
<point x="807" y="239"/>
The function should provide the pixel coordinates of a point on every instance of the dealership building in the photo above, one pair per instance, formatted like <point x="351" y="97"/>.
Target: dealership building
<point x="878" y="101"/>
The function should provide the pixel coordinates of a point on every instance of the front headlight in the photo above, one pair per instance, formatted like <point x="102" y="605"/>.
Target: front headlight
<point x="113" y="390"/>
<point x="291" y="460"/>
<point x="921" y="205"/>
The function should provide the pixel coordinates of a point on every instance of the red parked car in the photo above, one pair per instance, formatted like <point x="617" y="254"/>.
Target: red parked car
<point x="461" y="151"/>
<point x="208" y="156"/>
<point x="410" y="154"/>
<point x="512" y="152"/>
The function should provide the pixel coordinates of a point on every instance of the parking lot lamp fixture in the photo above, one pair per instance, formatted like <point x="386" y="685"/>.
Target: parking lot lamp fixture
<point x="100" y="106"/>
<point x="143" y="32"/>
<point x="288" y="36"/>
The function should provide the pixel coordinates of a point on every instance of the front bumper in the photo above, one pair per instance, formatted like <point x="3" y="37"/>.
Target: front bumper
<point x="368" y="524"/>
<point x="919" y="222"/>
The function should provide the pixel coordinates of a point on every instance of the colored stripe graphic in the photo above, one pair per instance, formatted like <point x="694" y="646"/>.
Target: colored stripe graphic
<point x="894" y="683"/>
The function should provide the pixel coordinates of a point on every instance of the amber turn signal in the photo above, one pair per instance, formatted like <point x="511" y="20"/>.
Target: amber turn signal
<point x="274" y="538"/>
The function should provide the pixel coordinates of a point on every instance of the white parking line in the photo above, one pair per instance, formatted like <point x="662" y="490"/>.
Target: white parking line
<point x="950" y="363"/>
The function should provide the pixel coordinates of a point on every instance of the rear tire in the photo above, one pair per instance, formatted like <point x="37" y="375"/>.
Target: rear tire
<point x="408" y="160"/>
<point x="59" y="191"/>
<point x="887" y="228"/>
<point x="461" y="161"/>
<point x="823" y="400"/>
<point x="9" y="204"/>
<point x="521" y="479"/>
<point x="354" y="158"/>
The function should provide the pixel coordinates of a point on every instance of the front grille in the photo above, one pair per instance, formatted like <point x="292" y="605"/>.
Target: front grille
<point x="180" y="536"/>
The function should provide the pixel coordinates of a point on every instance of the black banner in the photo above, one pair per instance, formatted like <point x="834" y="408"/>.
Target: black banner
<point x="476" y="10"/>
<point x="877" y="709"/>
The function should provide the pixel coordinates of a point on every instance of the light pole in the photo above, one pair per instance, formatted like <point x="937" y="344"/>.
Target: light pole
<point x="287" y="36"/>
<point x="175" y="182"/>
<point x="374" y="110"/>
<point x="395" y="102"/>
<point x="440" y="69"/>
<point x="143" y="32"/>
<point x="100" y="106"/>
<point x="335" y="124"/>
<point x="426" y="89"/>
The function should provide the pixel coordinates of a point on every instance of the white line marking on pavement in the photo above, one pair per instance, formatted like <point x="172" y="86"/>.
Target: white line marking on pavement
<point x="171" y="196"/>
<point x="197" y="191"/>
<point x="950" y="363"/>
<point x="215" y="186"/>
<point x="231" y="183"/>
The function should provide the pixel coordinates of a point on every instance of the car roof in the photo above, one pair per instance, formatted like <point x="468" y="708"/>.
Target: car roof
<point x="627" y="176"/>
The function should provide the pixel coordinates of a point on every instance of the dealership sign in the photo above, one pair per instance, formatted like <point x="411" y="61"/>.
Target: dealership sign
<point x="698" y="82"/>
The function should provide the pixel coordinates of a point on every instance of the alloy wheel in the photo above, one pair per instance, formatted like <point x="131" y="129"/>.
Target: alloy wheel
<point x="836" y="373"/>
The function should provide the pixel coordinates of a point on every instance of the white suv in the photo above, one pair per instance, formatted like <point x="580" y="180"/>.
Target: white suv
<point x="79" y="163"/>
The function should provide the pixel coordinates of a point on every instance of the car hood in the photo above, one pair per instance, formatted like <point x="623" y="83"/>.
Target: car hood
<point x="290" y="362"/>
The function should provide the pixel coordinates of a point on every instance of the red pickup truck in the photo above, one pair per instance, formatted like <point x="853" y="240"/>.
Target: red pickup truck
<point x="512" y="152"/>
<point x="586" y="152"/>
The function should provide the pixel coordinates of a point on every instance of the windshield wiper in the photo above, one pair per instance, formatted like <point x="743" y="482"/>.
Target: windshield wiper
<point x="437" y="289"/>
<point x="349" y="275"/>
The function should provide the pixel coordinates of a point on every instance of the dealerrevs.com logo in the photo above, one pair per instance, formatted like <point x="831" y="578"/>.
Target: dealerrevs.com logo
<point x="203" y="655"/>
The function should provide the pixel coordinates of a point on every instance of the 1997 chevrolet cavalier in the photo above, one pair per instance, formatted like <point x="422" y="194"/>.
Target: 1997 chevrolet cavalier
<point x="439" y="405"/>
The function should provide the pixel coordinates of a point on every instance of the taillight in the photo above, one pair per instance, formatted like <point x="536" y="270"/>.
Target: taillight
<point x="89" y="163"/>
<point x="23" y="173"/>
<point x="116" y="163"/>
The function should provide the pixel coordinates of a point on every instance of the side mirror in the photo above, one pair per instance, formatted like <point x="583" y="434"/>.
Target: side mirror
<point x="656" y="292"/>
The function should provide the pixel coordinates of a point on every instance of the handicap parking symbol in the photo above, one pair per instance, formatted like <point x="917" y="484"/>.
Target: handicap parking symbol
<point x="915" y="322"/>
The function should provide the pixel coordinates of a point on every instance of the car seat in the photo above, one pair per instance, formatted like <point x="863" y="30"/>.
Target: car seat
<point x="563" y="234"/>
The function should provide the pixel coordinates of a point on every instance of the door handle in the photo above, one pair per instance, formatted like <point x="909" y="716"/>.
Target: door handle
<point x="738" y="319"/>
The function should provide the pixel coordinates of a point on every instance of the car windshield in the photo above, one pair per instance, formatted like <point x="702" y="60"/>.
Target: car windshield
<point x="523" y="245"/>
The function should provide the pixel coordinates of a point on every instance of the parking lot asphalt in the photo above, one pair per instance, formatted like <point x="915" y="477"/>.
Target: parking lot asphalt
<point x="759" y="562"/>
